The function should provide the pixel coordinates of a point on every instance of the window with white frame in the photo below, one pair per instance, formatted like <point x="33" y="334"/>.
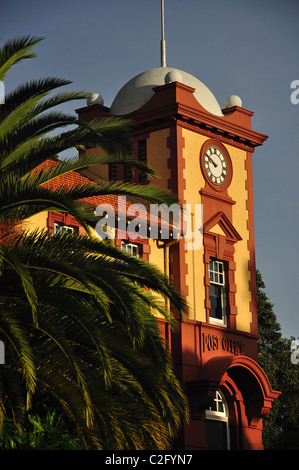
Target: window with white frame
<point x="217" y="425"/>
<point x="60" y="228"/>
<point x="217" y="292"/>
<point x="131" y="248"/>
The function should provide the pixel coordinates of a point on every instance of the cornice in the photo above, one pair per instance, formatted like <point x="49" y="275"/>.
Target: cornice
<point x="218" y="196"/>
<point x="237" y="136"/>
<point x="176" y="103"/>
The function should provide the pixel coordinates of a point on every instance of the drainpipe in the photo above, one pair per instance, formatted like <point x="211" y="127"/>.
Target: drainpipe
<point x="166" y="246"/>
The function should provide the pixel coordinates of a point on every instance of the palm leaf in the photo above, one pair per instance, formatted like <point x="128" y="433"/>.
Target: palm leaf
<point x="16" y="50"/>
<point x="24" y="275"/>
<point x="76" y="325"/>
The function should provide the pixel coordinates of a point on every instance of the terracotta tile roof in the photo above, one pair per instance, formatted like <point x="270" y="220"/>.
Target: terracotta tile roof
<point x="74" y="178"/>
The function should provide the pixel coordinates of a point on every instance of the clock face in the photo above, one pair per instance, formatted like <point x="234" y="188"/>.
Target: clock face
<point x="215" y="165"/>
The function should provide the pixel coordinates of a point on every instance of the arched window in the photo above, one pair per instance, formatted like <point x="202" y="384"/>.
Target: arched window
<point x="217" y="428"/>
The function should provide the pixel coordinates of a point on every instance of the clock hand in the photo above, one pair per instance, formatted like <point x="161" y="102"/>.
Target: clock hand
<point x="215" y="164"/>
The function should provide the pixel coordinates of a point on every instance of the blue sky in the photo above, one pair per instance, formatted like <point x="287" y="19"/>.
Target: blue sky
<point x="248" y="48"/>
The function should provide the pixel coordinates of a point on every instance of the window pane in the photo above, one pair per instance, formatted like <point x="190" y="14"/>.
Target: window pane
<point x="62" y="229"/>
<point x="216" y="433"/>
<point x="219" y="403"/>
<point x="217" y="290"/>
<point x="216" y="272"/>
<point x="130" y="248"/>
<point x="220" y="407"/>
<point x="216" y="301"/>
<point x="134" y="251"/>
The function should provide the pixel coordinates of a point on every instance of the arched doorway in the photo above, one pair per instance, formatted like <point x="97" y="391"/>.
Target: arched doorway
<point x="228" y="402"/>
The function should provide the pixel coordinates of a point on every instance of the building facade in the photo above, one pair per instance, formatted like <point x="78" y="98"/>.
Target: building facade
<point x="203" y="154"/>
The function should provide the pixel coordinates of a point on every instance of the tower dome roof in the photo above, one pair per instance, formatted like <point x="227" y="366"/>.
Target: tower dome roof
<point x="137" y="91"/>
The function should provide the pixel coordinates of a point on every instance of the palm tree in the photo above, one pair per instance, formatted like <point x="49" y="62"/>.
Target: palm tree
<point x="75" y="324"/>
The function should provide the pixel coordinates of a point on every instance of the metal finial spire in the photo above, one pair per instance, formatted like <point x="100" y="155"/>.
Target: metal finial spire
<point x="163" y="43"/>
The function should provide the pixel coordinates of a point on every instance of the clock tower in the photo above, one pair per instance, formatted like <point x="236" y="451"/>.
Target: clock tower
<point x="203" y="154"/>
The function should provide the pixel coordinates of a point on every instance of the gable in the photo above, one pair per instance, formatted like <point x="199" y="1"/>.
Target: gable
<point x="221" y="225"/>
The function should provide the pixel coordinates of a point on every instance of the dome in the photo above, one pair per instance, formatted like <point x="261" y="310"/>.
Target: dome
<point x="233" y="100"/>
<point x="95" y="98"/>
<point x="139" y="90"/>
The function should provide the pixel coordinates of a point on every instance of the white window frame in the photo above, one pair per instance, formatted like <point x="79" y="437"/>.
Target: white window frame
<point x="220" y="415"/>
<point x="131" y="248"/>
<point x="217" y="278"/>
<point x="59" y="228"/>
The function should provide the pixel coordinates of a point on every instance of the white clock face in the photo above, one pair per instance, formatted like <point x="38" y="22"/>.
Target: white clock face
<point x="215" y="165"/>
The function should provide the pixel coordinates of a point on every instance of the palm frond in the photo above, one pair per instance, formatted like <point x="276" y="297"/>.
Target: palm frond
<point x="28" y="90"/>
<point x="77" y="314"/>
<point x="15" y="335"/>
<point x="42" y="175"/>
<point x="16" y="50"/>
<point x="25" y="277"/>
